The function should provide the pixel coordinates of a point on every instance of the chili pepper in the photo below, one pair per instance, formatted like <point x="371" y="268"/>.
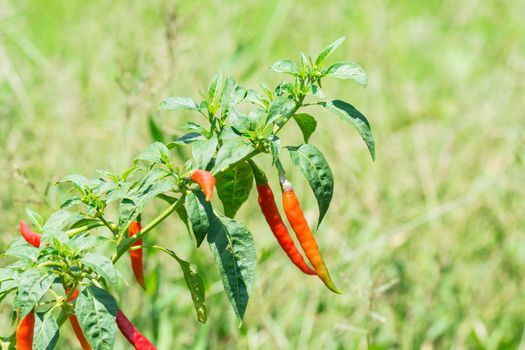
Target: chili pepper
<point x="78" y="332"/>
<point x="300" y="226"/>
<point x="275" y="221"/>
<point x="24" y="332"/>
<point x="30" y="236"/>
<point x="206" y="180"/>
<point x="134" y="337"/>
<point x="136" y="254"/>
<point x="76" y="326"/>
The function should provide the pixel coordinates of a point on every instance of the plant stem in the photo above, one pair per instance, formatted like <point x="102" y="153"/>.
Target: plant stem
<point x="84" y="228"/>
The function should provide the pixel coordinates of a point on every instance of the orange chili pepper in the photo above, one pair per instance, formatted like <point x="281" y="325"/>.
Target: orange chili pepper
<point x="295" y="216"/>
<point x="24" y="332"/>
<point x="137" y="254"/>
<point x="206" y="180"/>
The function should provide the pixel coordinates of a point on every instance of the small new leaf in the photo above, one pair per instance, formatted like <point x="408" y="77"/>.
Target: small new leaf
<point x="327" y="51"/>
<point x="348" y="70"/>
<point x="285" y="66"/>
<point x="179" y="103"/>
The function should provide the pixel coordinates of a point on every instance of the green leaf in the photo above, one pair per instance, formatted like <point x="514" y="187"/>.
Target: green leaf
<point x="186" y="139"/>
<point x="36" y="219"/>
<point x="350" y="114"/>
<point x="156" y="152"/>
<point x="275" y="148"/>
<point x="327" y="51"/>
<point x="96" y="311"/>
<point x="45" y="331"/>
<point x="307" y="124"/>
<point x="232" y="93"/>
<point x="31" y="288"/>
<point x="242" y="122"/>
<point x="281" y="107"/>
<point x="19" y="248"/>
<point x="103" y="266"/>
<point x="203" y="151"/>
<point x="234" y="253"/>
<point x="285" y="66"/>
<point x="195" y="285"/>
<point x="317" y="171"/>
<point x="179" y="103"/>
<point x="183" y="215"/>
<point x="348" y="70"/>
<point x="154" y="130"/>
<point x="232" y="151"/>
<point x="198" y="212"/>
<point x="234" y="186"/>
<point x="214" y="87"/>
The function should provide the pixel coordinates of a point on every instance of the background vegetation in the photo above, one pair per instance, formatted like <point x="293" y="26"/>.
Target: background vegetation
<point x="428" y="242"/>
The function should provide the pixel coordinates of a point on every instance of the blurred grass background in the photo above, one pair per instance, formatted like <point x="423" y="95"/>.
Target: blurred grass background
<point x="427" y="242"/>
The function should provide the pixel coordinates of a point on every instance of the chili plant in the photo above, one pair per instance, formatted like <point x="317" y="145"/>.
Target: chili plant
<point x="64" y="271"/>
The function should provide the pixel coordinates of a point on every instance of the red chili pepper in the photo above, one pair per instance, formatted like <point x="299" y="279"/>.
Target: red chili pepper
<point x="76" y="326"/>
<point x="136" y="254"/>
<point x="300" y="226"/>
<point x="24" y="332"/>
<point x="206" y="180"/>
<point x="30" y="236"/>
<point x="78" y="332"/>
<point x="135" y="338"/>
<point x="275" y="221"/>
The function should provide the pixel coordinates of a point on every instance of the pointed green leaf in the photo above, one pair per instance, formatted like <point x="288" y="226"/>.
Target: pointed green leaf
<point x="285" y="66"/>
<point x="214" y="87"/>
<point x="195" y="285"/>
<point x="307" y="124"/>
<point x="348" y="70"/>
<point x="203" y="151"/>
<point x="178" y="103"/>
<point x="198" y="212"/>
<point x="232" y="151"/>
<point x="281" y="107"/>
<point x="103" y="266"/>
<point x="327" y="51"/>
<point x="45" y="332"/>
<point x="154" y="130"/>
<point x="234" y="253"/>
<point x="318" y="173"/>
<point x="234" y="186"/>
<point x="31" y="288"/>
<point x="156" y="152"/>
<point x="350" y="114"/>
<point x="96" y="311"/>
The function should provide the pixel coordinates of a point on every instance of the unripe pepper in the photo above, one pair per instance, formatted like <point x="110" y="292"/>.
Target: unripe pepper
<point x="300" y="226"/>
<point x="136" y="254"/>
<point x="24" y="332"/>
<point x="134" y="337"/>
<point x="275" y="221"/>
<point x="30" y="236"/>
<point x="206" y="180"/>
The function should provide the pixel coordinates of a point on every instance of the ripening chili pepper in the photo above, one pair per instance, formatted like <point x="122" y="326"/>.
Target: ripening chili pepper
<point x="275" y="221"/>
<point x="295" y="216"/>
<point x="206" y="180"/>
<point x="24" y="332"/>
<point x="76" y="326"/>
<point x="30" y="236"/>
<point x="136" y="254"/>
<point x="134" y="337"/>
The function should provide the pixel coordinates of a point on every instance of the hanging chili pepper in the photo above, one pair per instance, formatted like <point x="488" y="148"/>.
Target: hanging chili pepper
<point x="206" y="180"/>
<point x="78" y="332"/>
<point x="24" y="332"/>
<point x="30" y="236"/>
<point x="134" y="337"/>
<point x="275" y="221"/>
<point x="76" y="326"/>
<point x="137" y="254"/>
<point x="300" y="226"/>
